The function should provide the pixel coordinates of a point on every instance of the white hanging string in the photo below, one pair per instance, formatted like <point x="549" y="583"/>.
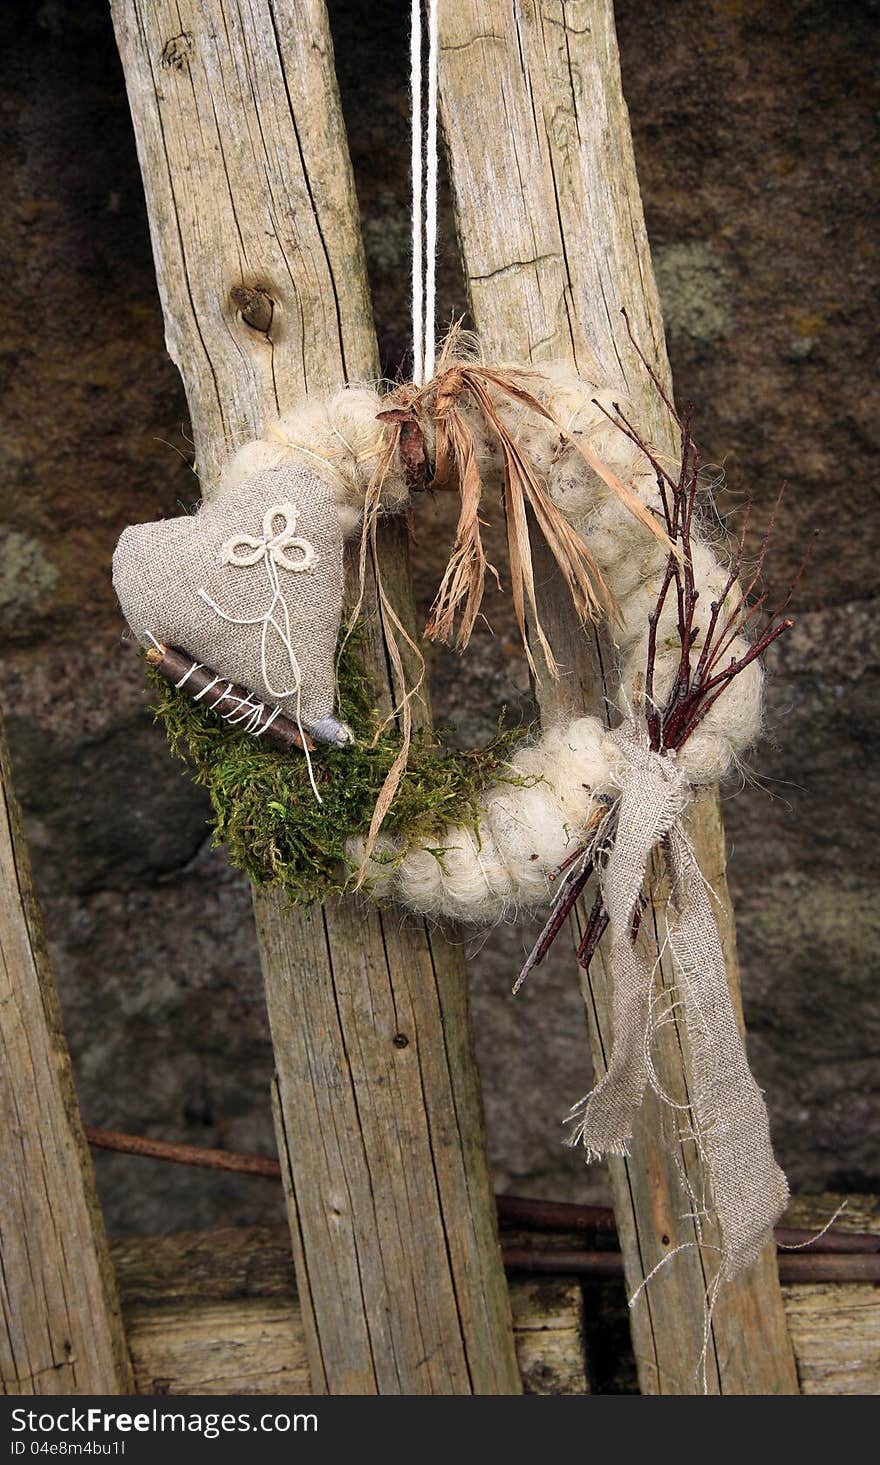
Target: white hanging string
<point x="418" y="267"/>
<point x="431" y="192"/>
<point x="424" y="164"/>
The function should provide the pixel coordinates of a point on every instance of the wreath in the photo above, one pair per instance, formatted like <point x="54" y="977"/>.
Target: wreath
<point x="240" y="609"/>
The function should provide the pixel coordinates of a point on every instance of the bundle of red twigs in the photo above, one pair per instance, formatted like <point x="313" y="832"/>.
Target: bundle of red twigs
<point x="702" y="676"/>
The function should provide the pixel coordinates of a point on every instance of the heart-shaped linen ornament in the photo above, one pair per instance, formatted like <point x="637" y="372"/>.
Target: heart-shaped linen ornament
<point x="252" y="586"/>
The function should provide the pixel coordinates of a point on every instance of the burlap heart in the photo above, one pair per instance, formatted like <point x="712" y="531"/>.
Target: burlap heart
<point x="251" y="586"/>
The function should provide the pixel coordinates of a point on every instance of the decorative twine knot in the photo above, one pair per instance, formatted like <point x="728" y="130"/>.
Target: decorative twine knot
<point x="272" y="545"/>
<point x="408" y="409"/>
<point x="447" y="387"/>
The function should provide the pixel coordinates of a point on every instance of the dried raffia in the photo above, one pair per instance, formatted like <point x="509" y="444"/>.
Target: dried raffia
<point x="436" y="410"/>
<point x="395" y="634"/>
<point x="461" y="590"/>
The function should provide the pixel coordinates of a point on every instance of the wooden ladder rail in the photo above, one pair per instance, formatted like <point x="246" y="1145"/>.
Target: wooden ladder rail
<point x="61" y="1328"/>
<point x="260" y="269"/>
<point x="553" y="239"/>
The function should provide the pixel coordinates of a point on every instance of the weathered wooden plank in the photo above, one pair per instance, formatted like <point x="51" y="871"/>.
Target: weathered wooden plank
<point x="835" y="1327"/>
<point x="811" y="1213"/>
<point x="549" y="1330"/>
<point x="554" y="243"/>
<point x="258" y="257"/>
<point x="217" y="1264"/>
<point x="247" y="1346"/>
<point x="835" y="1333"/>
<point x="214" y="1312"/>
<point x="258" y="1345"/>
<point x="62" y="1330"/>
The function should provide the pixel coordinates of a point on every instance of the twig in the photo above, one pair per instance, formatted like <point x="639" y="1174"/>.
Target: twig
<point x="820" y="1267"/>
<point x="519" y="1211"/>
<point x="649" y="369"/>
<point x="179" y="1154"/>
<point x="597" y="925"/>
<point x="562" y="907"/>
<point x="232" y="702"/>
<point x="695" y="687"/>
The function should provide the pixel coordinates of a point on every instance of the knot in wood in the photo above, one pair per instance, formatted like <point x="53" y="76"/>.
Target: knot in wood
<point x="177" y="51"/>
<point x="255" y="306"/>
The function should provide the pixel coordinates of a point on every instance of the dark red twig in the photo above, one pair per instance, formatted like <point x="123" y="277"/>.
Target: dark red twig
<point x="513" y="1210"/>
<point x="597" y="925"/>
<point x="179" y="1154"/>
<point x="699" y="679"/>
<point x="801" y="1267"/>
<point x="562" y="907"/>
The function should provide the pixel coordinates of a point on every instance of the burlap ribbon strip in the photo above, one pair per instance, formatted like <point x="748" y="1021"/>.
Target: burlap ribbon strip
<point x="749" y="1191"/>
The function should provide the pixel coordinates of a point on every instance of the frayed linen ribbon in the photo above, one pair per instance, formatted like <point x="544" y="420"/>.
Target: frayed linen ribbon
<point x="731" y="1126"/>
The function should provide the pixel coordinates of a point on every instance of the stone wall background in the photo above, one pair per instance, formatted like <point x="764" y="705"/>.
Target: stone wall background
<point x="753" y="124"/>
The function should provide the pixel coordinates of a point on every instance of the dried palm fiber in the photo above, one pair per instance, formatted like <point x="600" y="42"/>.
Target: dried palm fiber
<point x="536" y="432"/>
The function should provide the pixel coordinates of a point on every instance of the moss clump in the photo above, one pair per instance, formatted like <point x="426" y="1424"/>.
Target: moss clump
<point x="266" y="813"/>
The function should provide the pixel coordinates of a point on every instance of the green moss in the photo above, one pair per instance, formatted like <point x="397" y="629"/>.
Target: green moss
<point x="265" y="811"/>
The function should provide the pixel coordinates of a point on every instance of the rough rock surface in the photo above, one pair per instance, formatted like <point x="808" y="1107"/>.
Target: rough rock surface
<point x="751" y="125"/>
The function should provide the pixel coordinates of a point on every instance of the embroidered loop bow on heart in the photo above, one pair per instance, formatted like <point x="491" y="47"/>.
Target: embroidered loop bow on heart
<point x="273" y="545"/>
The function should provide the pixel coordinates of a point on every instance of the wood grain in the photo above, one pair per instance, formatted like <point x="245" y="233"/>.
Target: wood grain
<point x="553" y="239"/>
<point x="214" y="1312"/>
<point x="260" y="268"/>
<point x="835" y="1327"/>
<point x="62" y="1330"/>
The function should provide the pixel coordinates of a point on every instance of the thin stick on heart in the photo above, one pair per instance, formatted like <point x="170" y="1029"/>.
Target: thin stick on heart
<point x="237" y="706"/>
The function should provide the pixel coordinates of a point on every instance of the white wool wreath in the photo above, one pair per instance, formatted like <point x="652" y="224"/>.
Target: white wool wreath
<point x="526" y="831"/>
